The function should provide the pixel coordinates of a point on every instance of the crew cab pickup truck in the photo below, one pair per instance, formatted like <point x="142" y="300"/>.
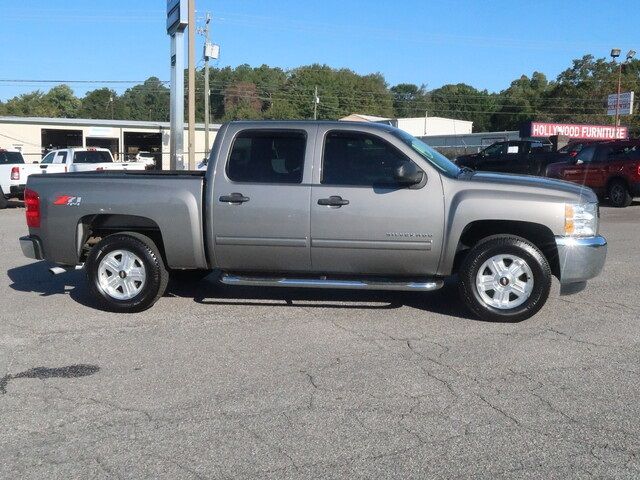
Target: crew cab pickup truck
<point x="84" y="160"/>
<point x="611" y="169"/>
<point x="13" y="175"/>
<point x="515" y="156"/>
<point x="323" y="205"/>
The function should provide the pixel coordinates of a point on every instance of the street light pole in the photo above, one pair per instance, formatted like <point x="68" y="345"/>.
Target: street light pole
<point x="617" y="122"/>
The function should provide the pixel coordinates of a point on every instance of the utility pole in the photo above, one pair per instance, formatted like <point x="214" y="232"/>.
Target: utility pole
<point x="316" y="101"/>
<point x="191" y="98"/>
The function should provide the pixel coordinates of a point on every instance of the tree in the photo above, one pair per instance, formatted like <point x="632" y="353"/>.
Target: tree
<point x="32" y="104"/>
<point x="521" y="102"/>
<point x="102" y="103"/>
<point x="63" y="101"/>
<point x="149" y="101"/>
<point x="409" y="100"/>
<point x="463" y="102"/>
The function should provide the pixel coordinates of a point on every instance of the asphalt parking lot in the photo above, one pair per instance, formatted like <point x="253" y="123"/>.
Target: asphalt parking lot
<point x="259" y="383"/>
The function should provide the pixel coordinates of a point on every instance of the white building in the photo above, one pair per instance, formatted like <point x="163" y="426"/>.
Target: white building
<point x="418" y="126"/>
<point x="33" y="136"/>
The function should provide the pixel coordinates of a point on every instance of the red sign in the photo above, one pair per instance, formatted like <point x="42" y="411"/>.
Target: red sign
<point x="583" y="132"/>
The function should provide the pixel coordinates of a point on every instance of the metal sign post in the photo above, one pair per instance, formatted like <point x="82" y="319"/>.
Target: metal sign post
<point x="176" y="24"/>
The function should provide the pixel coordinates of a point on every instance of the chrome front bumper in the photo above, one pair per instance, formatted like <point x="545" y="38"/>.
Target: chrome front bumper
<point x="580" y="259"/>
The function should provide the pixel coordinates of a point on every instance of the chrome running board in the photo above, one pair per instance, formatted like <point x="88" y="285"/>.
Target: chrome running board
<point x="421" y="285"/>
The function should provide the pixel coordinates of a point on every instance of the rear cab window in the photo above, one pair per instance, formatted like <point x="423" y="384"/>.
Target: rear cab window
<point x="92" y="156"/>
<point x="10" y="158"/>
<point x="267" y="156"/>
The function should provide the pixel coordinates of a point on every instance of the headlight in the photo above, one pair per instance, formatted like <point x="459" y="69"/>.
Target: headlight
<point x="581" y="219"/>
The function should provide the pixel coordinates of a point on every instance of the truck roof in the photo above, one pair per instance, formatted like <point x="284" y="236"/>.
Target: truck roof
<point x="293" y="123"/>
<point x="82" y="149"/>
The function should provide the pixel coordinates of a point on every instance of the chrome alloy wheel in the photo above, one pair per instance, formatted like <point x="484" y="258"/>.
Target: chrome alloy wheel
<point x="121" y="274"/>
<point x="504" y="281"/>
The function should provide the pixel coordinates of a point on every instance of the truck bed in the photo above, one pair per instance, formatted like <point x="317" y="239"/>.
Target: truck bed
<point x="170" y="202"/>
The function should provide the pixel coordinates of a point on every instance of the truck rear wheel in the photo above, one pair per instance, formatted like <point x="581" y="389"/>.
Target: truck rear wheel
<point x="505" y="279"/>
<point x="126" y="272"/>
<point x="619" y="195"/>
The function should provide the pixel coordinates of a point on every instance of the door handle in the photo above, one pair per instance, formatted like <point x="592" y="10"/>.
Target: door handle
<point x="234" y="198"/>
<point x="333" y="201"/>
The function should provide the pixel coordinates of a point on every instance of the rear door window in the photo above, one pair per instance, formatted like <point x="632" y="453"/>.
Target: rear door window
<point x="92" y="157"/>
<point x="267" y="156"/>
<point x="61" y="157"/>
<point x="9" y="158"/>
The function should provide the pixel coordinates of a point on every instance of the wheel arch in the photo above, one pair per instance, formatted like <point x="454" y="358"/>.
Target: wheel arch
<point x="92" y="228"/>
<point x="617" y="178"/>
<point x="538" y="234"/>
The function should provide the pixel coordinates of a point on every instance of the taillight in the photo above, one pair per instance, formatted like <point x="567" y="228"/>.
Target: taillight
<point x="32" y="208"/>
<point x="15" y="173"/>
<point x="573" y="153"/>
<point x="638" y="171"/>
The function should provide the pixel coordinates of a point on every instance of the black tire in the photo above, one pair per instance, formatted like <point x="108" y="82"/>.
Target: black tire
<point x="3" y="201"/>
<point x="145" y="249"/>
<point x="188" y="276"/>
<point x="505" y="245"/>
<point x="619" y="194"/>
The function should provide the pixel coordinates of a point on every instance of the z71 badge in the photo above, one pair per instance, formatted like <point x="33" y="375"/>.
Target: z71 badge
<point x="67" y="200"/>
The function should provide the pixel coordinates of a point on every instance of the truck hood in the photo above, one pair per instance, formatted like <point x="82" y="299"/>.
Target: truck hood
<point x="550" y="185"/>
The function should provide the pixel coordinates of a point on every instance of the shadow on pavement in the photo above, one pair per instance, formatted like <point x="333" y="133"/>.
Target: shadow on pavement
<point x="35" y="277"/>
<point x="42" y="373"/>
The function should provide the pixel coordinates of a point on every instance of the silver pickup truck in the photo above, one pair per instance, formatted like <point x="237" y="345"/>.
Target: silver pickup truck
<point x="321" y="205"/>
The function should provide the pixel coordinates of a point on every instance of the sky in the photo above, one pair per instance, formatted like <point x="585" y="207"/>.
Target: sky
<point x="486" y="44"/>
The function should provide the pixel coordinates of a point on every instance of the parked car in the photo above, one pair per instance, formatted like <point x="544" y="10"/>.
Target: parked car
<point x="83" y="160"/>
<point x="611" y="169"/>
<point x="322" y="205"/>
<point x="514" y="156"/>
<point x="13" y="175"/>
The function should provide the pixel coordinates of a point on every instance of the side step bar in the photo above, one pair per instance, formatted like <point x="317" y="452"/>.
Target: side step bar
<point x="421" y="285"/>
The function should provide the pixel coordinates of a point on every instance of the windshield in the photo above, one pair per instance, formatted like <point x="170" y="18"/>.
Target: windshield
<point x="435" y="158"/>
<point x="10" y="157"/>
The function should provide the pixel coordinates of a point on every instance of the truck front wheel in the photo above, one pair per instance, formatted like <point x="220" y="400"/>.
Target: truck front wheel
<point x="505" y="279"/>
<point x="126" y="272"/>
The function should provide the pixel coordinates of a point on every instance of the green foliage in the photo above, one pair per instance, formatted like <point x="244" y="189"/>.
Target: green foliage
<point x="149" y="101"/>
<point x="103" y="103"/>
<point x="463" y="102"/>
<point x="577" y="95"/>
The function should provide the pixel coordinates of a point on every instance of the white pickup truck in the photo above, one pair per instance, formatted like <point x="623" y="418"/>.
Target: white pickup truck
<point x="84" y="160"/>
<point x="13" y="175"/>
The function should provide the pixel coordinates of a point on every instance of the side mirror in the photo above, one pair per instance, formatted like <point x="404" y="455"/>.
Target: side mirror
<point x="407" y="173"/>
